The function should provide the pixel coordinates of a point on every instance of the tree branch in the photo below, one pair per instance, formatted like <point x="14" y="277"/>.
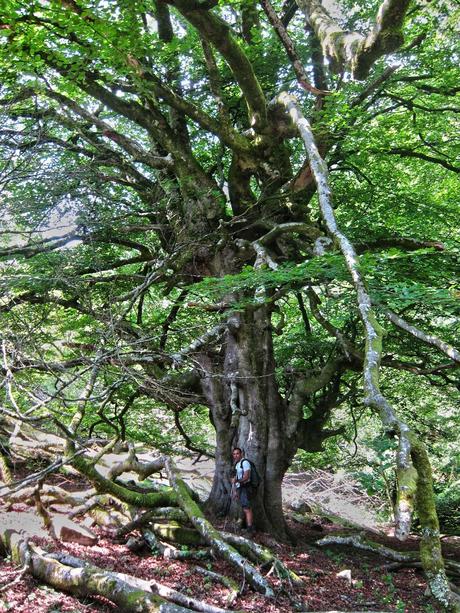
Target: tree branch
<point x="429" y="339"/>
<point x="351" y="50"/>
<point x="289" y="46"/>
<point x="413" y="469"/>
<point x="218" y="33"/>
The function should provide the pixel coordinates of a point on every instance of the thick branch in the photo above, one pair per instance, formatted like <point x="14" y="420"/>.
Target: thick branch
<point x="407" y="473"/>
<point x="351" y="50"/>
<point x="217" y="32"/>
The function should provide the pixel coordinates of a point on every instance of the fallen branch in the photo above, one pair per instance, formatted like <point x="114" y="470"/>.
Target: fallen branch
<point x="359" y="542"/>
<point x="82" y="579"/>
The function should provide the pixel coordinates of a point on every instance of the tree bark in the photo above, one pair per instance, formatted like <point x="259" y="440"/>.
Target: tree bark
<point x="212" y="536"/>
<point x="257" y="422"/>
<point x="82" y="579"/>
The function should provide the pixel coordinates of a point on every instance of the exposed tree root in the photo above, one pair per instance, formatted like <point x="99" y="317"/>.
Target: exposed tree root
<point x="401" y="558"/>
<point x="225" y="581"/>
<point x="82" y="579"/>
<point x="128" y="497"/>
<point x="178" y="598"/>
<point x="452" y="568"/>
<point x="262" y="556"/>
<point x="212" y="536"/>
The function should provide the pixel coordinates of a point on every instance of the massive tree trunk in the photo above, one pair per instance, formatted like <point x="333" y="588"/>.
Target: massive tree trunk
<point x="257" y="422"/>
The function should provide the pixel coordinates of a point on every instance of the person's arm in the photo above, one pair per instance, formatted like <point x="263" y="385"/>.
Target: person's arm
<point x="246" y="472"/>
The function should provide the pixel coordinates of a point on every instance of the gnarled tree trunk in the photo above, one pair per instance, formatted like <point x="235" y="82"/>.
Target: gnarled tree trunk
<point x="257" y="422"/>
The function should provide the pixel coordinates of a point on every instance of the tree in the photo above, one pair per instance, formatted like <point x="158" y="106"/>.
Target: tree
<point x="167" y="136"/>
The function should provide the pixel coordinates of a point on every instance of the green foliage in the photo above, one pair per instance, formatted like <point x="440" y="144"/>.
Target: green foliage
<point x="122" y="137"/>
<point x="448" y="508"/>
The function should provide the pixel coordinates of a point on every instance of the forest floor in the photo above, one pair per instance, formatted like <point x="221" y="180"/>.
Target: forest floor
<point x="368" y="586"/>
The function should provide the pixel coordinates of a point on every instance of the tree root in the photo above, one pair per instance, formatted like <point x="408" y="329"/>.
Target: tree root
<point x="178" y="598"/>
<point x="262" y="556"/>
<point x="452" y="568"/>
<point x="401" y="558"/>
<point x="180" y="501"/>
<point x="169" y="552"/>
<point x="212" y="536"/>
<point x="225" y="581"/>
<point x="80" y="578"/>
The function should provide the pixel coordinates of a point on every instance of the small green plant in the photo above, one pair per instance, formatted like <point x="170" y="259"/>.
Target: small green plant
<point x="388" y="580"/>
<point x="335" y="556"/>
<point x="161" y="572"/>
<point x="400" y="606"/>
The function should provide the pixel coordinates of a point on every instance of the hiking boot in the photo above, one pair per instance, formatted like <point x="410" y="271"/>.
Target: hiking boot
<point x="250" y="530"/>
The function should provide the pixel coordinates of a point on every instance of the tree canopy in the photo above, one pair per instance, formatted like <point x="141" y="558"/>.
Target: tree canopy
<point x="231" y="211"/>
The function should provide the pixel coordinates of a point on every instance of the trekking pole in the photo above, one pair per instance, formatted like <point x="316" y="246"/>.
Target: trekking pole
<point x="228" y="505"/>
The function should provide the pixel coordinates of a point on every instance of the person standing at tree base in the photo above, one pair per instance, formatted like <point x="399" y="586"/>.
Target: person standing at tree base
<point x="241" y="487"/>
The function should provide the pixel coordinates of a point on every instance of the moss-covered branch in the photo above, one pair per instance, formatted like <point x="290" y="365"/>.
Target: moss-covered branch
<point x="352" y="51"/>
<point x="410" y="449"/>
<point x="82" y="579"/>
<point x="148" y="500"/>
<point x="430" y="544"/>
<point x="217" y="32"/>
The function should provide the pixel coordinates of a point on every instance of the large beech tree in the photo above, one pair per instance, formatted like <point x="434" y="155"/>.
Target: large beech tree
<point x="181" y="151"/>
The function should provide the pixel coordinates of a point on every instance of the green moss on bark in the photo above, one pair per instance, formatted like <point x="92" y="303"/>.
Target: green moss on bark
<point x="173" y="531"/>
<point x="137" y="499"/>
<point x="430" y="543"/>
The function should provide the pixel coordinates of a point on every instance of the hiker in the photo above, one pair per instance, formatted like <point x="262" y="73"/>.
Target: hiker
<point x="241" y="486"/>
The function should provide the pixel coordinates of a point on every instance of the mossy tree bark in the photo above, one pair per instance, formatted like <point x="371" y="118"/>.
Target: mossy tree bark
<point x="413" y="466"/>
<point x="82" y="579"/>
<point x="212" y="536"/>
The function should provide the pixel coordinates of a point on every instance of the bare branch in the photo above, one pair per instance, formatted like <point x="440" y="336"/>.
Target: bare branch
<point x="429" y="339"/>
<point x="289" y="46"/>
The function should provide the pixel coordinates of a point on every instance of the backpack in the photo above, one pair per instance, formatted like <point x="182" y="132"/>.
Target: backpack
<point x="254" y="477"/>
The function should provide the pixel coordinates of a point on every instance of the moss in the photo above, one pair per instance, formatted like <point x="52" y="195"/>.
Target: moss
<point x="173" y="531"/>
<point x="407" y="485"/>
<point x="5" y="473"/>
<point x="137" y="499"/>
<point x="430" y="544"/>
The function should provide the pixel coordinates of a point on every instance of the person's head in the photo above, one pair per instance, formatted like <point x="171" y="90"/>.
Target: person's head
<point x="237" y="454"/>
